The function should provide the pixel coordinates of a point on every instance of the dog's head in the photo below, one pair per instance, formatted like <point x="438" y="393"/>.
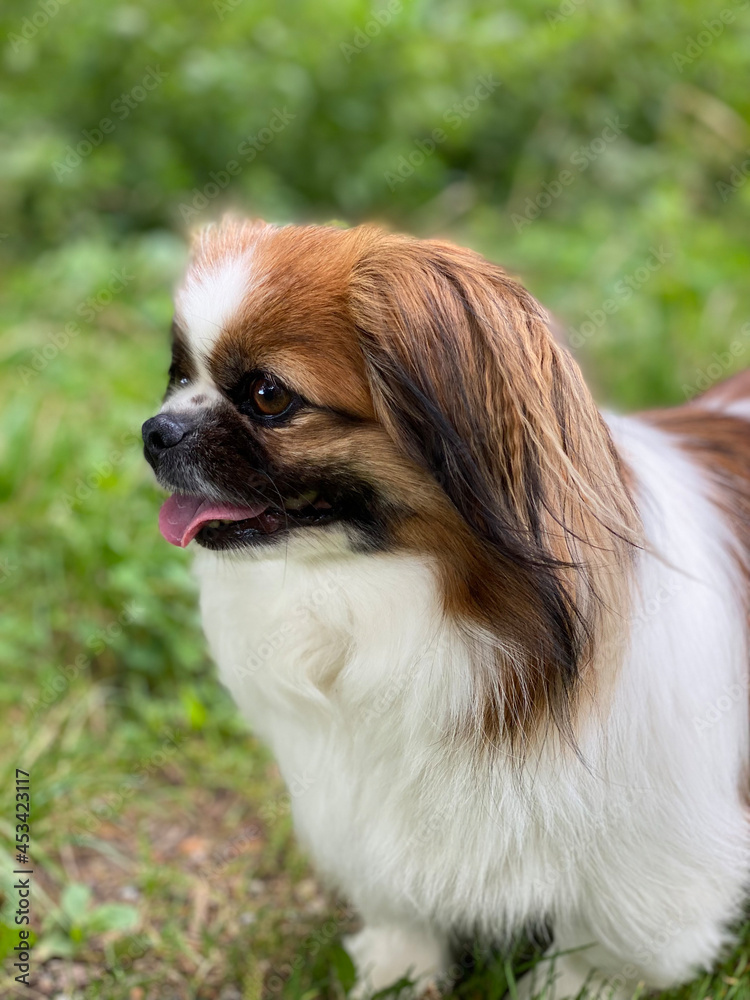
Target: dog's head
<point x="356" y="388"/>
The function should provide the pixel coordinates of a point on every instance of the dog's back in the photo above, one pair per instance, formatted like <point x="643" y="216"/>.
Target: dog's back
<point x="714" y="431"/>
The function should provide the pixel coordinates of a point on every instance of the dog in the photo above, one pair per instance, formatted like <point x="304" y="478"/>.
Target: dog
<point x="497" y="642"/>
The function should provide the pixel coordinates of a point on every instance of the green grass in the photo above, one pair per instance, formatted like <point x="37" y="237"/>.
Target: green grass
<point x="146" y="785"/>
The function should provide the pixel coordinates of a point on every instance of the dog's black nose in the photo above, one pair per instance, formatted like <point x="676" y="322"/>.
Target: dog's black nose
<point x="162" y="432"/>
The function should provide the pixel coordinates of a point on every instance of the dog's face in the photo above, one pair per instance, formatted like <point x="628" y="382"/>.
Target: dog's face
<point x="391" y="394"/>
<point x="269" y="416"/>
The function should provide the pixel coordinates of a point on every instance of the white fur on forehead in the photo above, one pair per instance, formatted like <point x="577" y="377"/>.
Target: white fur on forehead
<point x="211" y="297"/>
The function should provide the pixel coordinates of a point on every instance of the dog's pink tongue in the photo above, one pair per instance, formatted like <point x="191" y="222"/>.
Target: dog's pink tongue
<point x="181" y="517"/>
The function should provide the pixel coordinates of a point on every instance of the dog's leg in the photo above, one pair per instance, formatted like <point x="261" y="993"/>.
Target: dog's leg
<point x="570" y="977"/>
<point x="668" y="952"/>
<point x="386" y="953"/>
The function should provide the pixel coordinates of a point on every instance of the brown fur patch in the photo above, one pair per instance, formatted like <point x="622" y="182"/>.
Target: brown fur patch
<point x="735" y="389"/>
<point x="295" y="321"/>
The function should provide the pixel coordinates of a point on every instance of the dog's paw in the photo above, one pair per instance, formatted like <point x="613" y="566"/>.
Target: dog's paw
<point x="568" y="977"/>
<point x="384" y="955"/>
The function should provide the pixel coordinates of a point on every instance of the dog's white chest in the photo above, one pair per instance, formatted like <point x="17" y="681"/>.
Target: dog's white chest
<point x="352" y="676"/>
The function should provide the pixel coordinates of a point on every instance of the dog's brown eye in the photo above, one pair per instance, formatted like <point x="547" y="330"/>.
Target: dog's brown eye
<point x="269" y="398"/>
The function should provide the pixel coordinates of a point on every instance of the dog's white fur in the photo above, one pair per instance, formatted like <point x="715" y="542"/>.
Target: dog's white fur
<point x="210" y="298"/>
<point x="638" y="851"/>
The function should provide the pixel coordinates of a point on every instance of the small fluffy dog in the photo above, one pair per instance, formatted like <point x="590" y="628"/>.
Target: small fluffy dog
<point x="497" y="642"/>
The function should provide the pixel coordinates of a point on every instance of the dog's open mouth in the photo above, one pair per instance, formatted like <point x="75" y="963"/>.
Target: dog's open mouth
<point x="217" y="525"/>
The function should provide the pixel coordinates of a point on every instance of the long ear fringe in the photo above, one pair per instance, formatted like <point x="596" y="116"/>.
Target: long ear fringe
<point x="471" y="385"/>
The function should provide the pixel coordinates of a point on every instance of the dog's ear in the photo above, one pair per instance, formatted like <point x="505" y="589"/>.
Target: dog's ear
<point x="468" y="379"/>
<point x="471" y="385"/>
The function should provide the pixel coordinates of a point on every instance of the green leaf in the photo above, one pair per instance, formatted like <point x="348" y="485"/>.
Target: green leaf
<point x="343" y="967"/>
<point x="195" y="710"/>
<point x="58" y="945"/>
<point x="111" y="917"/>
<point x="74" y="901"/>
